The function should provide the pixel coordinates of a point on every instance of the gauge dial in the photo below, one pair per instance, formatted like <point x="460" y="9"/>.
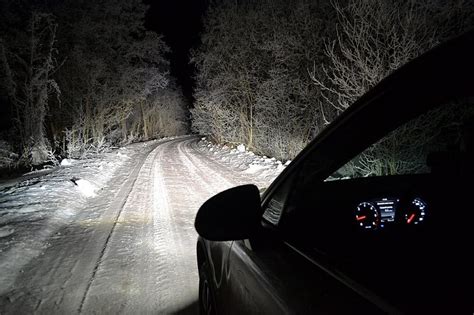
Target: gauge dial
<point x="367" y="216"/>
<point x="416" y="212"/>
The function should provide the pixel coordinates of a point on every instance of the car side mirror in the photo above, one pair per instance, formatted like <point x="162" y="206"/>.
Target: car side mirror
<point x="233" y="214"/>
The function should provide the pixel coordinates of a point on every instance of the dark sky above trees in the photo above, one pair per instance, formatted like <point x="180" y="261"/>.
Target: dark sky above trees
<point x="180" y="23"/>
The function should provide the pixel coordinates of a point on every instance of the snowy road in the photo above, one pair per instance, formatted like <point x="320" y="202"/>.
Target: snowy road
<point x="133" y="249"/>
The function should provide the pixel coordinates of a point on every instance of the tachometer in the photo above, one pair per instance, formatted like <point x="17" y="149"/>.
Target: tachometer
<point x="367" y="216"/>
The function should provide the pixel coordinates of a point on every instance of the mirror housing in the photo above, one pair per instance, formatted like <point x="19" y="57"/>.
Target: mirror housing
<point x="233" y="214"/>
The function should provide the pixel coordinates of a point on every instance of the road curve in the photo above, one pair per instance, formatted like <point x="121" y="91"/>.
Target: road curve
<point x="133" y="249"/>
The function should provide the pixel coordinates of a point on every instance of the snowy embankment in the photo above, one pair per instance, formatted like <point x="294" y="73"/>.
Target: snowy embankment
<point x="34" y="207"/>
<point x="261" y="169"/>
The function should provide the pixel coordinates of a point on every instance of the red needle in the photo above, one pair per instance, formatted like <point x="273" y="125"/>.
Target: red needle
<point x="412" y="216"/>
<point x="362" y="217"/>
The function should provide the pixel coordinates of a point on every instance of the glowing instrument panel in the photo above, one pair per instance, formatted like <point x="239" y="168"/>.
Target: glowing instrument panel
<point x="383" y="212"/>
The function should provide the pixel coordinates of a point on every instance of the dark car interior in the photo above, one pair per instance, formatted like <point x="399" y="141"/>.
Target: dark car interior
<point x="407" y="237"/>
<point x="404" y="262"/>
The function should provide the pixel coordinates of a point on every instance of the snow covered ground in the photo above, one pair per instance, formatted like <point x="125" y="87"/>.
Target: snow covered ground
<point x="115" y="233"/>
<point x="35" y="207"/>
<point x="258" y="170"/>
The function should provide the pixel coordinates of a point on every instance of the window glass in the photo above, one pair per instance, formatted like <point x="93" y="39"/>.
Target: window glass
<point x="432" y="140"/>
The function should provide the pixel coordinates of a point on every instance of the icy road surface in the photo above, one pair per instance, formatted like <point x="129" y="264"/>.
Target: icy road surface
<point x="128" y="247"/>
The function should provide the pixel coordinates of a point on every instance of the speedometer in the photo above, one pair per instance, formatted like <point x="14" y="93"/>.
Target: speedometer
<point x="415" y="212"/>
<point x="367" y="216"/>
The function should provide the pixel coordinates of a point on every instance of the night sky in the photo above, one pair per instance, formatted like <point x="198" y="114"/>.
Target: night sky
<point x="180" y="23"/>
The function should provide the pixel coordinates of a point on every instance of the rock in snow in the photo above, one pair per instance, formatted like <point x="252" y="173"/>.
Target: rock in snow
<point x="66" y="162"/>
<point x="6" y="231"/>
<point x="85" y="187"/>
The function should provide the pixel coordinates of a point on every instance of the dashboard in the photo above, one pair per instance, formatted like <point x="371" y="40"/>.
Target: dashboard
<point x="380" y="213"/>
<point x="375" y="207"/>
<point x="387" y="232"/>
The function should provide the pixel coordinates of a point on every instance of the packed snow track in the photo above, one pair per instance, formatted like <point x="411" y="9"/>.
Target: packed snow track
<point x="132" y="250"/>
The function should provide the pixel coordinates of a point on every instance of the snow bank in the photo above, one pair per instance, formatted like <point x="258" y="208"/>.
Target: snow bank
<point x="260" y="170"/>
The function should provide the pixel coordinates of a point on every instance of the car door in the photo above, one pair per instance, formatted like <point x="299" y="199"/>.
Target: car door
<point x="278" y="279"/>
<point x="274" y="275"/>
<point x="306" y="258"/>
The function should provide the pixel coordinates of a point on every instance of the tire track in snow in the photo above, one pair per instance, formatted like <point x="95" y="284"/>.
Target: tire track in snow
<point x="151" y="255"/>
<point x="119" y="204"/>
<point x="129" y="259"/>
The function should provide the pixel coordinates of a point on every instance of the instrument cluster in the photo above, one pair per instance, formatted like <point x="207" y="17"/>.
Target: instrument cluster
<point x="383" y="212"/>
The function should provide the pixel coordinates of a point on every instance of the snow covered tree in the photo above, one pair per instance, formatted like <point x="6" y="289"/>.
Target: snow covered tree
<point x="27" y="63"/>
<point x="372" y="40"/>
<point x="114" y="70"/>
<point x="252" y="82"/>
<point x="272" y="74"/>
<point x="112" y="74"/>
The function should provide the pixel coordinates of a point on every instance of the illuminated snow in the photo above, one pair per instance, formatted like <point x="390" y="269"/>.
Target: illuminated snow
<point x="88" y="235"/>
<point x="66" y="162"/>
<point x="86" y="188"/>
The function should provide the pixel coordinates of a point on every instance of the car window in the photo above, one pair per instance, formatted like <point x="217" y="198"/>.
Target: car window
<point x="433" y="140"/>
<point x="416" y="147"/>
<point x="394" y="181"/>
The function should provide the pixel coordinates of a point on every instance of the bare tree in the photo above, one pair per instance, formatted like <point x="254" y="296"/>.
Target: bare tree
<point x="28" y="78"/>
<point x="114" y="71"/>
<point x="372" y="40"/>
<point x="252" y="78"/>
